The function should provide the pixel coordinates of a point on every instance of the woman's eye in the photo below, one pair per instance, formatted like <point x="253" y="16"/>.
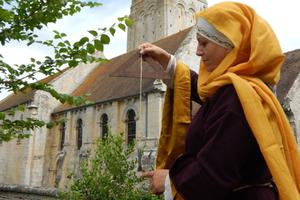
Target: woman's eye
<point x="203" y="44"/>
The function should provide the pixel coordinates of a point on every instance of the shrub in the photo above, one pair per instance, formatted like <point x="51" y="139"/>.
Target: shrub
<point x="110" y="175"/>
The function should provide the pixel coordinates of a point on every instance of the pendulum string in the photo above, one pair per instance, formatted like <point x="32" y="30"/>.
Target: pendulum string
<point x="141" y="82"/>
<point x="140" y="108"/>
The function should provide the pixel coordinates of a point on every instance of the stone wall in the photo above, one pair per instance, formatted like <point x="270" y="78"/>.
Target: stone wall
<point x="157" y="19"/>
<point x="23" y="162"/>
<point x="16" y="192"/>
<point x="60" y="163"/>
<point x="187" y="51"/>
<point x="293" y="101"/>
<point x="15" y="156"/>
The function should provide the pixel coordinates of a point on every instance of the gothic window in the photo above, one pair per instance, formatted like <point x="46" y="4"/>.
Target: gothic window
<point x="131" y="126"/>
<point x="58" y="173"/>
<point x="104" y="126"/>
<point x="62" y="131"/>
<point x="140" y="26"/>
<point x="141" y="14"/>
<point x="79" y="133"/>
<point x="181" y="14"/>
<point x="191" y="16"/>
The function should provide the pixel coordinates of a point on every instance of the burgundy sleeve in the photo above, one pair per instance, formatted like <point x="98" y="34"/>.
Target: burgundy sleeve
<point x="194" y="91"/>
<point x="214" y="171"/>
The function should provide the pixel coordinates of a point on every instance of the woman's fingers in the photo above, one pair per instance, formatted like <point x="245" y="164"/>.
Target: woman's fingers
<point x="156" y="53"/>
<point x="148" y="174"/>
<point x="145" y="48"/>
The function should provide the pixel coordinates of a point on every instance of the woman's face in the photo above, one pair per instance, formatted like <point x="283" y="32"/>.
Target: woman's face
<point x="211" y="53"/>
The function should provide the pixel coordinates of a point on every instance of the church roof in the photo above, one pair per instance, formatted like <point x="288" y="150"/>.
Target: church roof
<point x="23" y="97"/>
<point x="289" y="72"/>
<point x="102" y="87"/>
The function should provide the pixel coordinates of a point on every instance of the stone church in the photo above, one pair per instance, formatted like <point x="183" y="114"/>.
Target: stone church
<point x="48" y="156"/>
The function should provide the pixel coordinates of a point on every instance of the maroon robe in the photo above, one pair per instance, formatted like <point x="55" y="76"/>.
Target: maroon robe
<point x="221" y="153"/>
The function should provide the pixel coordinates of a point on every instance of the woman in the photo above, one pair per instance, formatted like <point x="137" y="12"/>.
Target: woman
<point x="239" y="145"/>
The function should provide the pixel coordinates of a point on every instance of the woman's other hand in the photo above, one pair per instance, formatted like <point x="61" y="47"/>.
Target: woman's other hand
<point x="156" y="53"/>
<point x="158" y="179"/>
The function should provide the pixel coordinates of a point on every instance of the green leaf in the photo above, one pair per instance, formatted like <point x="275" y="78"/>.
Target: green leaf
<point x="30" y="43"/>
<point x="78" y="9"/>
<point x="67" y="42"/>
<point x="83" y="40"/>
<point x="83" y="54"/>
<point x="63" y="50"/>
<point x="61" y="44"/>
<point x="2" y="116"/>
<point x="129" y="22"/>
<point x="50" y="125"/>
<point x="121" y="19"/>
<point x="94" y="33"/>
<point x="21" y="108"/>
<point x="56" y="32"/>
<point x="76" y="45"/>
<point x="112" y="31"/>
<point x="98" y="45"/>
<point x="122" y="26"/>
<point x="90" y="48"/>
<point x="73" y="63"/>
<point x="63" y="35"/>
<point x="105" y="39"/>
<point x="65" y="12"/>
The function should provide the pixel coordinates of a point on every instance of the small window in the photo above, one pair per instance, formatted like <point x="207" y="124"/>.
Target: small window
<point x="62" y="131"/>
<point x="104" y="126"/>
<point x="131" y="126"/>
<point x="79" y="133"/>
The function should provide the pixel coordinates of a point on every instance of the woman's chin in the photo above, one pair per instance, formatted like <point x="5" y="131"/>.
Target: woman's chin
<point x="209" y="68"/>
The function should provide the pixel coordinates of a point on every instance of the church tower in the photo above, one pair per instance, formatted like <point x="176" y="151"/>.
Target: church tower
<point x="156" y="19"/>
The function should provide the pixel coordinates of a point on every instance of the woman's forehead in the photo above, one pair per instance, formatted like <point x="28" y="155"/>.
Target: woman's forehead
<point x="200" y="37"/>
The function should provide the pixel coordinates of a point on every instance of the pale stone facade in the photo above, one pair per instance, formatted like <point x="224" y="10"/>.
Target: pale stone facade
<point x="22" y="162"/>
<point x="292" y="105"/>
<point x="70" y="155"/>
<point x="157" y="19"/>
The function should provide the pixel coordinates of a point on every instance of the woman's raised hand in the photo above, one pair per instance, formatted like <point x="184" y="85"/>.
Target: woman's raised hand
<point x="156" y="53"/>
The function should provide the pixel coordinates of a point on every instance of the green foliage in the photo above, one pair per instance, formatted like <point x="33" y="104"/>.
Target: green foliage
<point x="19" y="18"/>
<point x="110" y="174"/>
<point x="19" y="21"/>
<point x="19" y="129"/>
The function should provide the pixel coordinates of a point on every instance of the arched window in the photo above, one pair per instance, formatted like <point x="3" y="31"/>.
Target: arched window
<point x="79" y="133"/>
<point x="191" y="16"/>
<point x="131" y="126"/>
<point x="62" y="131"/>
<point x="181" y="16"/>
<point x="104" y="126"/>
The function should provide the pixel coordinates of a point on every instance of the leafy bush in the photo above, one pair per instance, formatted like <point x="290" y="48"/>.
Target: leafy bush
<point x="110" y="174"/>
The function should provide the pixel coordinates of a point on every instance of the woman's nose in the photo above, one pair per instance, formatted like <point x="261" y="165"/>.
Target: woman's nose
<point x="199" y="51"/>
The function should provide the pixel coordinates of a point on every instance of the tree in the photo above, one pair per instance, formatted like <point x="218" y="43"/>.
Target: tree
<point x="19" y="21"/>
<point x="109" y="174"/>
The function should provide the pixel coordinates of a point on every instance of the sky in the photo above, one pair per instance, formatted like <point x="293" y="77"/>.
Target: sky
<point x="283" y="16"/>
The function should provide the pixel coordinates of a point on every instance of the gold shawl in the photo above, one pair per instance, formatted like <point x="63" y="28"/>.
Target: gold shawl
<point x="254" y="62"/>
<point x="176" y="119"/>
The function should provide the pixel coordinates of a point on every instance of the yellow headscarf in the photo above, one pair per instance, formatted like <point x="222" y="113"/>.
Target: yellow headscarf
<point x="254" y="61"/>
